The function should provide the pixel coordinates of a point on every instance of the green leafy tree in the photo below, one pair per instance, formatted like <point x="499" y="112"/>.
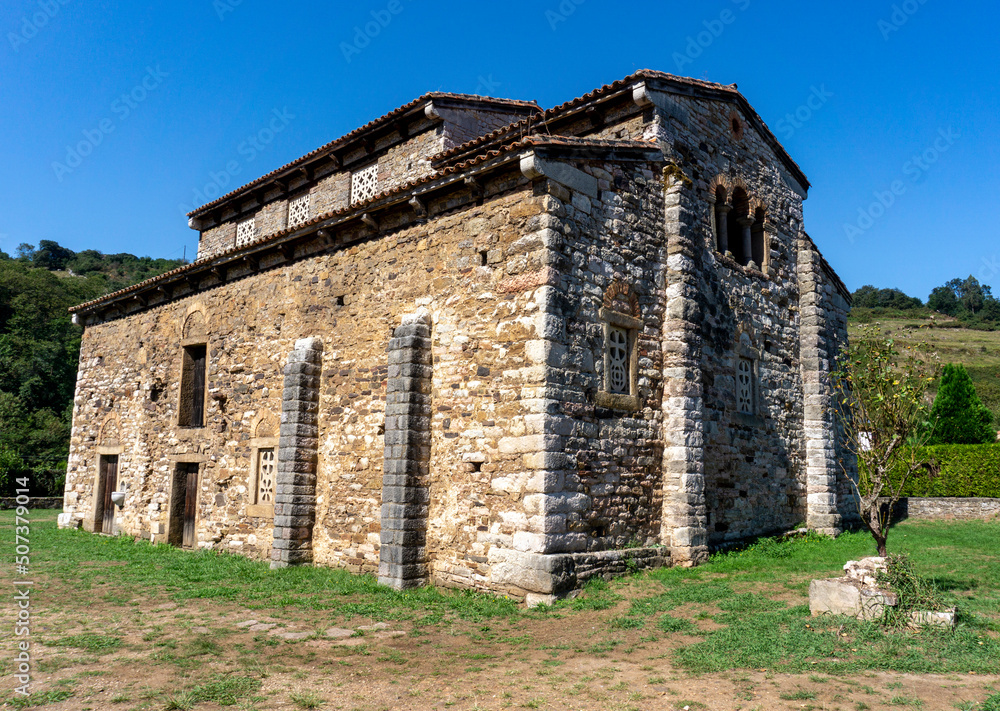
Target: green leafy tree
<point x="958" y="415"/>
<point x="972" y="295"/>
<point x="39" y="350"/>
<point x="880" y="391"/>
<point x="943" y="300"/>
<point x="869" y="297"/>
<point x="51" y="255"/>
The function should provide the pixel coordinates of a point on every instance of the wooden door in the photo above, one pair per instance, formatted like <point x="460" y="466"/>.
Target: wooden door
<point x="190" y="505"/>
<point x="109" y="478"/>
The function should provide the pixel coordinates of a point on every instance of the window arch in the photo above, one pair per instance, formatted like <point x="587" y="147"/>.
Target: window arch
<point x="738" y="226"/>
<point x="758" y="239"/>
<point x="722" y="208"/>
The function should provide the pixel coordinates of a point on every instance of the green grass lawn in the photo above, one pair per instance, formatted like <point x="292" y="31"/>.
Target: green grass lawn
<point x="743" y="611"/>
<point x="740" y="592"/>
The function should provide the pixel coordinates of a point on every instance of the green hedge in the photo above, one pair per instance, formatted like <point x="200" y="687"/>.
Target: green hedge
<point x="965" y="470"/>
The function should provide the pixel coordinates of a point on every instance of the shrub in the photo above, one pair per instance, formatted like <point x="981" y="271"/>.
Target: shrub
<point x="962" y="470"/>
<point x="958" y="415"/>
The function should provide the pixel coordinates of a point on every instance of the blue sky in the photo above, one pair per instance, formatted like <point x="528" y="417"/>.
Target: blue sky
<point x="894" y="105"/>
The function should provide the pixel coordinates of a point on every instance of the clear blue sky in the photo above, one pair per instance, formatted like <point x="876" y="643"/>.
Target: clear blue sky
<point x="889" y="81"/>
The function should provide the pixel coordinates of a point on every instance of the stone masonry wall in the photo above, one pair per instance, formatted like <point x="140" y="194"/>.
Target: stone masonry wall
<point x="398" y="162"/>
<point x="607" y="230"/>
<point x="754" y="475"/>
<point x="483" y="319"/>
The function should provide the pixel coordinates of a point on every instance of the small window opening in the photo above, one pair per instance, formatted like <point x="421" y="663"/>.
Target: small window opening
<point x="744" y="386"/>
<point x="339" y="300"/>
<point x="737" y="126"/>
<point x="618" y="360"/>
<point x="266" y="465"/>
<point x="738" y="228"/>
<point x="482" y="258"/>
<point x="477" y="466"/>
<point x="192" y="404"/>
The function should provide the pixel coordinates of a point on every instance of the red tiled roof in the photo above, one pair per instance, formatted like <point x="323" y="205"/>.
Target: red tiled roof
<point x="381" y="120"/>
<point x="527" y="141"/>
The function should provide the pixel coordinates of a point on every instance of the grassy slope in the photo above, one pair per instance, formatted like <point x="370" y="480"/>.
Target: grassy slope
<point x="978" y="351"/>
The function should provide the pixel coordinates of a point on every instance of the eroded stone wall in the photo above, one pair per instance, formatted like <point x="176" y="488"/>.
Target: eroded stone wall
<point x="398" y="161"/>
<point x="605" y="231"/>
<point x="483" y="317"/>
<point x="753" y="464"/>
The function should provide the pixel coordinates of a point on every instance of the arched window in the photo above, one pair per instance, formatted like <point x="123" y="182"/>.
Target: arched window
<point x="722" y="208"/>
<point x="758" y="240"/>
<point x="738" y="226"/>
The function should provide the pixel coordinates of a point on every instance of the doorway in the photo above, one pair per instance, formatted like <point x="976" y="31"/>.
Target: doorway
<point x="108" y="474"/>
<point x="183" y="506"/>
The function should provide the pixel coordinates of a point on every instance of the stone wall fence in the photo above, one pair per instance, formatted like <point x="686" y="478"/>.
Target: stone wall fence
<point x="944" y="508"/>
<point x="37" y="502"/>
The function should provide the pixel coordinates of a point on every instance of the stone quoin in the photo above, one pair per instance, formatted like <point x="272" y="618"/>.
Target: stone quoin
<point x="482" y="345"/>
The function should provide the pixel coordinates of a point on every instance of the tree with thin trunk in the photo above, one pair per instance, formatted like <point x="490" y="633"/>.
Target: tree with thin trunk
<point x="883" y="410"/>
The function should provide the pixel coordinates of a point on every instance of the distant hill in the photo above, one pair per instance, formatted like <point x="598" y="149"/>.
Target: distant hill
<point x="953" y="341"/>
<point x="39" y="349"/>
<point x="117" y="270"/>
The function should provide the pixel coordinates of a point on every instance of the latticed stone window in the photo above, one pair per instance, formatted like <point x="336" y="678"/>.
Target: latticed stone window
<point x="619" y="387"/>
<point x="246" y="231"/>
<point x="744" y="386"/>
<point x="265" y="475"/>
<point x="618" y="360"/>
<point x="364" y="183"/>
<point x="298" y="211"/>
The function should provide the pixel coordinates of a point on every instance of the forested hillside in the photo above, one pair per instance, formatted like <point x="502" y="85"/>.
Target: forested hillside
<point x="960" y="323"/>
<point x="39" y="347"/>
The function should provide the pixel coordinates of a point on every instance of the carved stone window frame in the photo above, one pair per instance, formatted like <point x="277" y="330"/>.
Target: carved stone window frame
<point x="631" y="324"/>
<point x="365" y="183"/>
<point x="753" y="219"/>
<point x="256" y="509"/>
<point x="299" y="210"/>
<point x="246" y="231"/>
<point x="746" y="349"/>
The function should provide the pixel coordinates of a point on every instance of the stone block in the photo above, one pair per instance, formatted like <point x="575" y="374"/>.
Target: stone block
<point x="927" y="618"/>
<point x="846" y="596"/>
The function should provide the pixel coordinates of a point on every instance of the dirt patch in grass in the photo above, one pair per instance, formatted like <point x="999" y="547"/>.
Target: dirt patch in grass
<point x="113" y="637"/>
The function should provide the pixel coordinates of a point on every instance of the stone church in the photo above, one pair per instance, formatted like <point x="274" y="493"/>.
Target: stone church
<point x="484" y="345"/>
